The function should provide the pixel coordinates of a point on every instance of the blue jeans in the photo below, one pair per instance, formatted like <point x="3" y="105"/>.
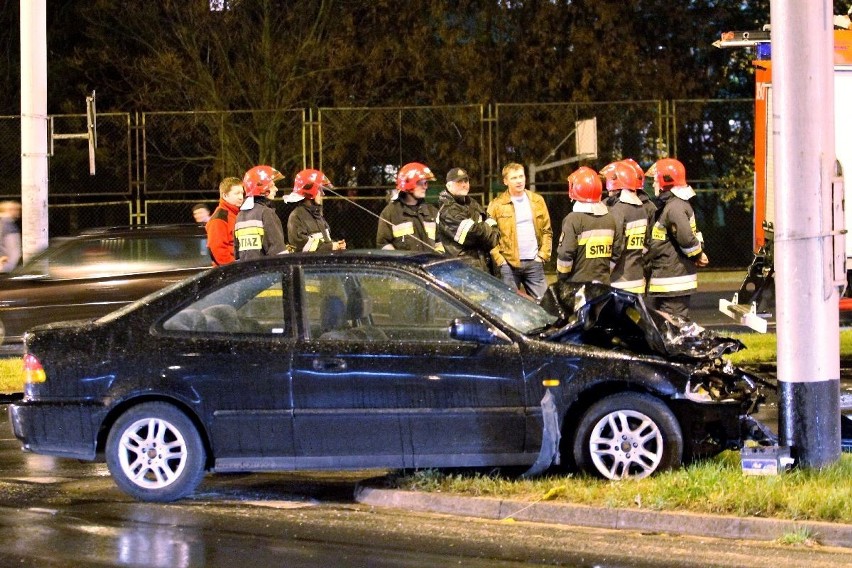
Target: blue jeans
<point x="530" y="275"/>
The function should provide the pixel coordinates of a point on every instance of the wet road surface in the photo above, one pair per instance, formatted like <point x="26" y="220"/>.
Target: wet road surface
<point x="58" y="513"/>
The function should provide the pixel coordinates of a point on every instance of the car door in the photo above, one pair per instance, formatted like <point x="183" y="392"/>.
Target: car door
<point x="237" y="341"/>
<point x="378" y="382"/>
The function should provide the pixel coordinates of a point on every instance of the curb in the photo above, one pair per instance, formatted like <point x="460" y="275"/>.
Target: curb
<point x="719" y="526"/>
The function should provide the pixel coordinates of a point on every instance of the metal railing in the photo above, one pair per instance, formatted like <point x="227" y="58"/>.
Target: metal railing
<point x="153" y="166"/>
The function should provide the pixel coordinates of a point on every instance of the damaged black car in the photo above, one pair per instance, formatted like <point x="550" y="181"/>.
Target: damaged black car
<point x="377" y="359"/>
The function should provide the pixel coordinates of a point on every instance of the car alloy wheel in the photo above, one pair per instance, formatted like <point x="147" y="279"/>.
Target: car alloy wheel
<point x="628" y="435"/>
<point x="154" y="453"/>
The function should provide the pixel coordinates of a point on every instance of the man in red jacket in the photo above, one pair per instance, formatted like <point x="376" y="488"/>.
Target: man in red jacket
<point x="220" y="227"/>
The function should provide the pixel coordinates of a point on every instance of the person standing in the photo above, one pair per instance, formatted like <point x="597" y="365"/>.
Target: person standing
<point x="632" y="220"/>
<point x="10" y="235"/>
<point x="526" y="236"/>
<point x="675" y="248"/>
<point x="586" y="244"/>
<point x="307" y="229"/>
<point x="220" y="227"/>
<point x="408" y="222"/>
<point x="464" y="228"/>
<point x="258" y="231"/>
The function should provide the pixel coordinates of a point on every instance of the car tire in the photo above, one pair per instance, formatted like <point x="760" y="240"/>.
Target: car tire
<point x="154" y="453"/>
<point x="627" y="436"/>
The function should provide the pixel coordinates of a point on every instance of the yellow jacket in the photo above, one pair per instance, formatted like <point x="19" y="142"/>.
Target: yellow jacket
<point x="502" y="210"/>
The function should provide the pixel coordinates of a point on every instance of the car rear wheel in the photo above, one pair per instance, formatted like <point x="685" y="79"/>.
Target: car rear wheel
<point x="627" y="436"/>
<point x="154" y="453"/>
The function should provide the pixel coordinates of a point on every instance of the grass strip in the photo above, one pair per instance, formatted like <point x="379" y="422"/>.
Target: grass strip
<point x="714" y="486"/>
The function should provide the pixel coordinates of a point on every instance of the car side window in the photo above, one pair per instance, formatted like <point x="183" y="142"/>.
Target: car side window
<point x="373" y="305"/>
<point x="252" y="305"/>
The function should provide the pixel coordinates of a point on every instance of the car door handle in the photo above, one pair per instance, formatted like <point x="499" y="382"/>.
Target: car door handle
<point x="329" y="364"/>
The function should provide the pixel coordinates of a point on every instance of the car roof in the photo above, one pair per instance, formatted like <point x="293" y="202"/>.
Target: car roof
<point x="368" y="256"/>
<point x="142" y="230"/>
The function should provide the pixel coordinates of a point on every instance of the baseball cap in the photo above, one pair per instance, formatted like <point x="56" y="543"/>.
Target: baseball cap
<point x="456" y="174"/>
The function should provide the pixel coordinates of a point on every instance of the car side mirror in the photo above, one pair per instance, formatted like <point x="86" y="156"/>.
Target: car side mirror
<point x="476" y="330"/>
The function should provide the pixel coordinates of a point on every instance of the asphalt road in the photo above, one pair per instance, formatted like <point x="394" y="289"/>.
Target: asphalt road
<point x="58" y="513"/>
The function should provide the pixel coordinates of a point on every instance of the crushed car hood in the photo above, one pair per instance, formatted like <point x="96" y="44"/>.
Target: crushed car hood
<point x="597" y="314"/>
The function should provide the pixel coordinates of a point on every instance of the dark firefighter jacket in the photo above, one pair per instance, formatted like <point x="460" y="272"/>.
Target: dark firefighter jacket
<point x="258" y="232"/>
<point x="408" y="227"/>
<point x="463" y="230"/>
<point x="632" y="220"/>
<point x="673" y="247"/>
<point x="585" y="246"/>
<point x="307" y="230"/>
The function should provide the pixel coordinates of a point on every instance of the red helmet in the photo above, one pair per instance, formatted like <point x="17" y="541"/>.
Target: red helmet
<point x="669" y="172"/>
<point x="410" y="174"/>
<point x="639" y="183"/>
<point x="607" y="171"/>
<point x="259" y="180"/>
<point x="584" y="185"/>
<point x="308" y="184"/>
<point x="618" y="176"/>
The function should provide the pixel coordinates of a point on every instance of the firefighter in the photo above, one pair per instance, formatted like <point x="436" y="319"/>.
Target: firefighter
<point x="307" y="229"/>
<point x="258" y="231"/>
<point x="408" y="222"/>
<point x="586" y="244"/>
<point x="632" y="220"/>
<point x="463" y="226"/>
<point x="675" y="247"/>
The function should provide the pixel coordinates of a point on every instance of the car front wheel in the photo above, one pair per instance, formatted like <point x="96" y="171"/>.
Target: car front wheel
<point x="154" y="453"/>
<point x="628" y="436"/>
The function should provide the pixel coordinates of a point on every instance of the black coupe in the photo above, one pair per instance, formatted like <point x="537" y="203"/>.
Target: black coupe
<point x="376" y="359"/>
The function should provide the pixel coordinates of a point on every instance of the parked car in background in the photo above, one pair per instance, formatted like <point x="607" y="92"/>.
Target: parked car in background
<point x="374" y="359"/>
<point x="96" y="272"/>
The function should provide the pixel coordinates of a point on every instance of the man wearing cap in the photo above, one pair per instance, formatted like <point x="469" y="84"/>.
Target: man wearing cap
<point x="463" y="226"/>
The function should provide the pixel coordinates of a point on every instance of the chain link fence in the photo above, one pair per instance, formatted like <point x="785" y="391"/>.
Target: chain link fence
<point x="153" y="167"/>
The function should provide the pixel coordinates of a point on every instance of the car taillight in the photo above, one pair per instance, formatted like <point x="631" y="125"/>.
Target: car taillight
<point x="33" y="371"/>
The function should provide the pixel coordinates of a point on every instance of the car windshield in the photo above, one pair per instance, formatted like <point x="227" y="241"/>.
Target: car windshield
<point x="493" y="296"/>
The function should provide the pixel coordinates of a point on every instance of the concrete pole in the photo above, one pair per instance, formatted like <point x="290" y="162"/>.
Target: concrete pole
<point x="33" y="127"/>
<point x="806" y="298"/>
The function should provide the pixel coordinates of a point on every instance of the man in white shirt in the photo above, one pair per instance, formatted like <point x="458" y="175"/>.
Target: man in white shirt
<point x="526" y="236"/>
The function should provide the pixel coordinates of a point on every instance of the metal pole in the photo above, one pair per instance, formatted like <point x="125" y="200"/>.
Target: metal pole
<point x="33" y="127"/>
<point x="807" y="300"/>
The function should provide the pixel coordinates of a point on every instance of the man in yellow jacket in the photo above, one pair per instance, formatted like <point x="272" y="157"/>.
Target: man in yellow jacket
<point x="526" y="237"/>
